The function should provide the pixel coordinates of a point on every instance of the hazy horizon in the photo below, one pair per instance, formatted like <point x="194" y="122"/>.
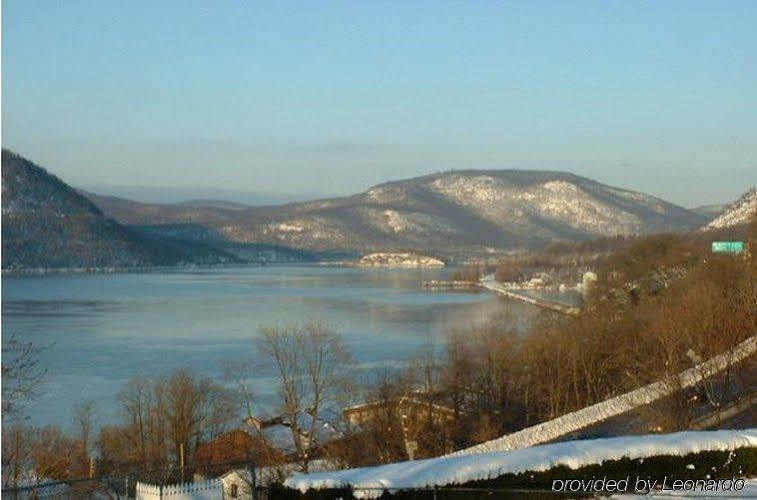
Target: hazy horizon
<point x="173" y="194"/>
<point x="313" y="101"/>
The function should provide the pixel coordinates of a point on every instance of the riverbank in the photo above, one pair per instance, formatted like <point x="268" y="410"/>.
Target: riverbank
<point x="56" y="271"/>
<point x="488" y="283"/>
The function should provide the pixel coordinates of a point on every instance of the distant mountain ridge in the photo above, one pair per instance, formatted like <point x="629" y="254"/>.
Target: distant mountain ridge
<point x="449" y="213"/>
<point x="179" y="194"/>
<point x="709" y="210"/>
<point x="48" y="224"/>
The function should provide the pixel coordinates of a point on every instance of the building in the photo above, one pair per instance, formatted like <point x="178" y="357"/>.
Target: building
<point x="413" y="414"/>
<point x="277" y="432"/>
<point x="235" y="448"/>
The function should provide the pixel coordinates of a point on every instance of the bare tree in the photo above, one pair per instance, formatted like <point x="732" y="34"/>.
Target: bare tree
<point x="21" y="375"/>
<point x="197" y="408"/>
<point x="136" y="400"/>
<point x="167" y="417"/>
<point x="18" y="456"/>
<point x="84" y="421"/>
<point x="312" y="364"/>
<point x="32" y="454"/>
<point x="239" y="374"/>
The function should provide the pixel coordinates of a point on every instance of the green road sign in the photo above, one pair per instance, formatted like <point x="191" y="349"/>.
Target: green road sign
<point x="727" y="246"/>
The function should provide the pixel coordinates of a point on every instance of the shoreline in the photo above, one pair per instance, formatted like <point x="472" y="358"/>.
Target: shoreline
<point x="496" y="288"/>
<point x="488" y="284"/>
<point x="54" y="271"/>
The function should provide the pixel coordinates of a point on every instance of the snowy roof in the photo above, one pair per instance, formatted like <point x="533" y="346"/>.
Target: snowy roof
<point x="398" y="401"/>
<point x="278" y="433"/>
<point x="324" y="431"/>
<point x="574" y="454"/>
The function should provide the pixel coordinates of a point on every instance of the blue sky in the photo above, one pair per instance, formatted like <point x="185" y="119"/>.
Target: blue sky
<point x="331" y="97"/>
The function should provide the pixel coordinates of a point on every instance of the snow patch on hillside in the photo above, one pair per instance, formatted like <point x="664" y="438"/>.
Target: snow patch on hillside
<point x="395" y="221"/>
<point x="387" y="194"/>
<point x="654" y="204"/>
<point x="738" y="212"/>
<point x="567" y="202"/>
<point x="299" y="232"/>
<point x="288" y="227"/>
<point x="471" y="189"/>
<point x="561" y="201"/>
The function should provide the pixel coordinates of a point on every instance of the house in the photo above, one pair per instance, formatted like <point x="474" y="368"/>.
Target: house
<point x="277" y="432"/>
<point x="237" y="483"/>
<point x="236" y="447"/>
<point x="413" y="414"/>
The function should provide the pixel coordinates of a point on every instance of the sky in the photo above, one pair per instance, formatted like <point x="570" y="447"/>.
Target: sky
<point x="327" y="98"/>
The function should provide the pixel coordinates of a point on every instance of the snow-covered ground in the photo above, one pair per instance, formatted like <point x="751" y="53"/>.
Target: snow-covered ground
<point x="369" y="482"/>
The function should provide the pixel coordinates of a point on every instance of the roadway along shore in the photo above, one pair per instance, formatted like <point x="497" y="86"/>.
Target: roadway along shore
<point x="489" y="283"/>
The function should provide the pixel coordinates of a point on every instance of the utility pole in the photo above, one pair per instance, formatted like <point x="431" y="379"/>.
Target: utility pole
<point x="253" y="479"/>
<point x="181" y="460"/>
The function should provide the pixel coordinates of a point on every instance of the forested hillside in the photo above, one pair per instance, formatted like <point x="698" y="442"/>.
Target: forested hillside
<point x="48" y="225"/>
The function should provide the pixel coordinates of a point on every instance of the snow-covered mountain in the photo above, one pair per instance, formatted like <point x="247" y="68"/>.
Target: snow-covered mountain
<point x="457" y="211"/>
<point x="737" y="213"/>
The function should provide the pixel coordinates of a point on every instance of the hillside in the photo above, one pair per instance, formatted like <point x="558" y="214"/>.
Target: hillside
<point x="47" y="224"/>
<point x="737" y="213"/>
<point x="474" y="211"/>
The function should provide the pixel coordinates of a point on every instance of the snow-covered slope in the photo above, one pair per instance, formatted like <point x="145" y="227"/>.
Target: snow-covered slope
<point x="738" y="212"/>
<point x="573" y="454"/>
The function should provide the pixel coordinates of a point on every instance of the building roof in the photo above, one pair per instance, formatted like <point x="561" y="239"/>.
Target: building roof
<point x="277" y="432"/>
<point x="402" y="400"/>
<point x="237" y="446"/>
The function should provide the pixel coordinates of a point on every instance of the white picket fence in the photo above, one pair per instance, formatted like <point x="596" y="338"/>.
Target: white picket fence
<point x="211" y="489"/>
